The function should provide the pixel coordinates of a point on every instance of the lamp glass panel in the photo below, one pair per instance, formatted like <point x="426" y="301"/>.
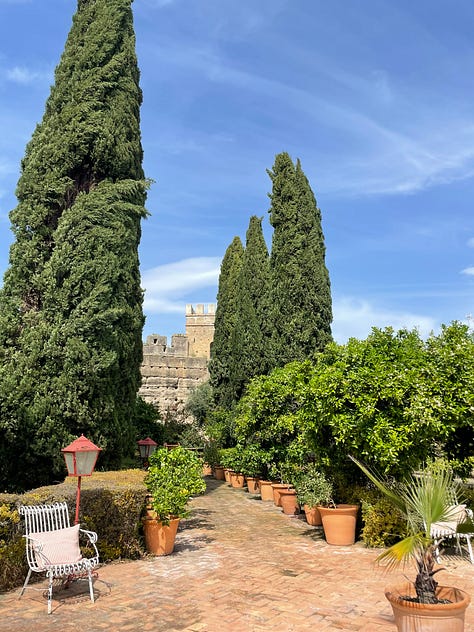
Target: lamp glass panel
<point x="85" y="462"/>
<point x="69" y="458"/>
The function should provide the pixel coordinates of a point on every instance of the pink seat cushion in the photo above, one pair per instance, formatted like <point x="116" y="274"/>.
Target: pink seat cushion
<point x="58" y="547"/>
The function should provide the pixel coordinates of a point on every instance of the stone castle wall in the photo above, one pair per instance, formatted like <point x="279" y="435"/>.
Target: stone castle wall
<point x="170" y="373"/>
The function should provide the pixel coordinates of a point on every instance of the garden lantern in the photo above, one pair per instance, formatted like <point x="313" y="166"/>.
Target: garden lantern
<point x="80" y="456"/>
<point x="146" y="447"/>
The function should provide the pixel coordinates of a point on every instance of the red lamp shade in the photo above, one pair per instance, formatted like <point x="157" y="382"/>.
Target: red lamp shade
<point x="81" y="456"/>
<point x="146" y="447"/>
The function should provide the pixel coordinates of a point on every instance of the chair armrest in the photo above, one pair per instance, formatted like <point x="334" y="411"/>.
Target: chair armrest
<point x="91" y="535"/>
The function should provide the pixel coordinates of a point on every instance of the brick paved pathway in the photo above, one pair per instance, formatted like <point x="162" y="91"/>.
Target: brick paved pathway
<point x="239" y="565"/>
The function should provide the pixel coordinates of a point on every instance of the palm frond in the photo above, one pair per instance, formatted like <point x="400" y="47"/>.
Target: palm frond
<point x="402" y="552"/>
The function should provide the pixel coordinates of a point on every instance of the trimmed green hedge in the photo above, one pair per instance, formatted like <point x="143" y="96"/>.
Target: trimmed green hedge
<point x="111" y="505"/>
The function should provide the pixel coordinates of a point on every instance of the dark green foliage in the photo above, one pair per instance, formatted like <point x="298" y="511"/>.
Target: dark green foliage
<point x="300" y="287"/>
<point x="199" y="403"/>
<point x="71" y="306"/>
<point x="225" y="322"/>
<point x="383" y="524"/>
<point x="251" y="336"/>
<point x="147" y="421"/>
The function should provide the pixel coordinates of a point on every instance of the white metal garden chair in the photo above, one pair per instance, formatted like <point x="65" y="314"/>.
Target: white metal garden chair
<point x="52" y="546"/>
<point x="449" y="529"/>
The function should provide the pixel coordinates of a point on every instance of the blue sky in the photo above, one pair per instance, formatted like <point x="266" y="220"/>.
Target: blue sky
<point x="376" y="98"/>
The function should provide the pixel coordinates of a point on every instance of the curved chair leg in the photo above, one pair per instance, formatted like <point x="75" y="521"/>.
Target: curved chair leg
<point x="50" y="593"/>
<point x="25" y="584"/>
<point x="469" y="547"/>
<point x="91" y="588"/>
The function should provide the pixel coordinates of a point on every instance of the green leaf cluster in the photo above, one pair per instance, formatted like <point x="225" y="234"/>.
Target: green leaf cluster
<point x="393" y="400"/>
<point x="173" y="477"/>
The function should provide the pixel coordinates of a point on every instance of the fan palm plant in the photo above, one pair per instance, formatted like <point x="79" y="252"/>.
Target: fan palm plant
<point x="424" y="498"/>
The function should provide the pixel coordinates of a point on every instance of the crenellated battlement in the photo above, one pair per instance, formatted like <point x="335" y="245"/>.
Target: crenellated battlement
<point x="171" y="372"/>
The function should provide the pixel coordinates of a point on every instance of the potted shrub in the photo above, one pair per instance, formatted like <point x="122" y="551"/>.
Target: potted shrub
<point x="172" y="478"/>
<point x="313" y="489"/>
<point x="339" y="520"/>
<point x="253" y="460"/>
<point x="232" y="462"/>
<point x="211" y="457"/>
<point x="424" y="499"/>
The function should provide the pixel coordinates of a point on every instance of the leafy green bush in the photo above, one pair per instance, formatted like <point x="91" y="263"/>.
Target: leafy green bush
<point x="383" y="525"/>
<point x="13" y="566"/>
<point x="230" y="458"/>
<point x="254" y="460"/>
<point x="392" y="400"/>
<point x="172" y="478"/>
<point x="313" y="488"/>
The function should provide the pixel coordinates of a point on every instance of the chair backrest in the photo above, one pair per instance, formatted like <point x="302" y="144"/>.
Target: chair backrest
<point x="40" y="518"/>
<point x="456" y="515"/>
<point x="50" y="540"/>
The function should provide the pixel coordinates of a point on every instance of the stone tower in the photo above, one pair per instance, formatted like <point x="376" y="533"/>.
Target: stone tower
<point x="170" y="373"/>
<point x="200" y="329"/>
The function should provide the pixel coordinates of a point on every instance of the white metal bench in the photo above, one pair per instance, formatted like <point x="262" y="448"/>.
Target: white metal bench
<point x="52" y="546"/>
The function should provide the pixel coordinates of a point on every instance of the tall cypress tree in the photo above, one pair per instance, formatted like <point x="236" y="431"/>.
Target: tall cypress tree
<point x="71" y="305"/>
<point x="250" y="341"/>
<point x="220" y="364"/>
<point x="300" y="287"/>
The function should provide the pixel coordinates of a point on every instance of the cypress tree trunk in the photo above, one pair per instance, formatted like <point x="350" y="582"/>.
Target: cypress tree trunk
<point x="220" y="364"/>
<point x="300" y="288"/>
<point x="71" y="306"/>
<point x="251" y="337"/>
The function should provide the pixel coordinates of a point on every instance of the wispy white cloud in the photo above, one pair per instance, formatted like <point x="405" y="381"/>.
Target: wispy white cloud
<point x="159" y="4"/>
<point x="470" y="242"/>
<point x="354" y="318"/>
<point x="167" y="286"/>
<point x="469" y="271"/>
<point x="25" y="76"/>
<point x="392" y="154"/>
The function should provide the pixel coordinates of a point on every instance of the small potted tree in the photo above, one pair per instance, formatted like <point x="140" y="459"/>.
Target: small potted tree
<point x="313" y="489"/>
<point x="425" y="499"/>
<point x="174" y="476"/>
<point x="253" y="460"/>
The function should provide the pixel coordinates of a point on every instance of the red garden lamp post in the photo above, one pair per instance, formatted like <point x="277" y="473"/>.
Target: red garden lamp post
<point x="146" y="447"/>
<point x="81" y="457"/>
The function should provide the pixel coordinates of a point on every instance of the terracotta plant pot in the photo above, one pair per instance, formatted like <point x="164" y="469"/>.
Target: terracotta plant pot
<point x="219" y="473"/>
<point x="206" y="470"/>
<point x="266" y="491"/>
<point x="277" y="487"/>
<point x="313" y="516"/>
<point x="237" y="480"/>
<point x="438" y="617"/>
<point x="253" y="484"/>
<point x="339" y="524"/>
<point x="159" y="537"/>
<point x="227" y="474"/>
<point x="289" y="502"/>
